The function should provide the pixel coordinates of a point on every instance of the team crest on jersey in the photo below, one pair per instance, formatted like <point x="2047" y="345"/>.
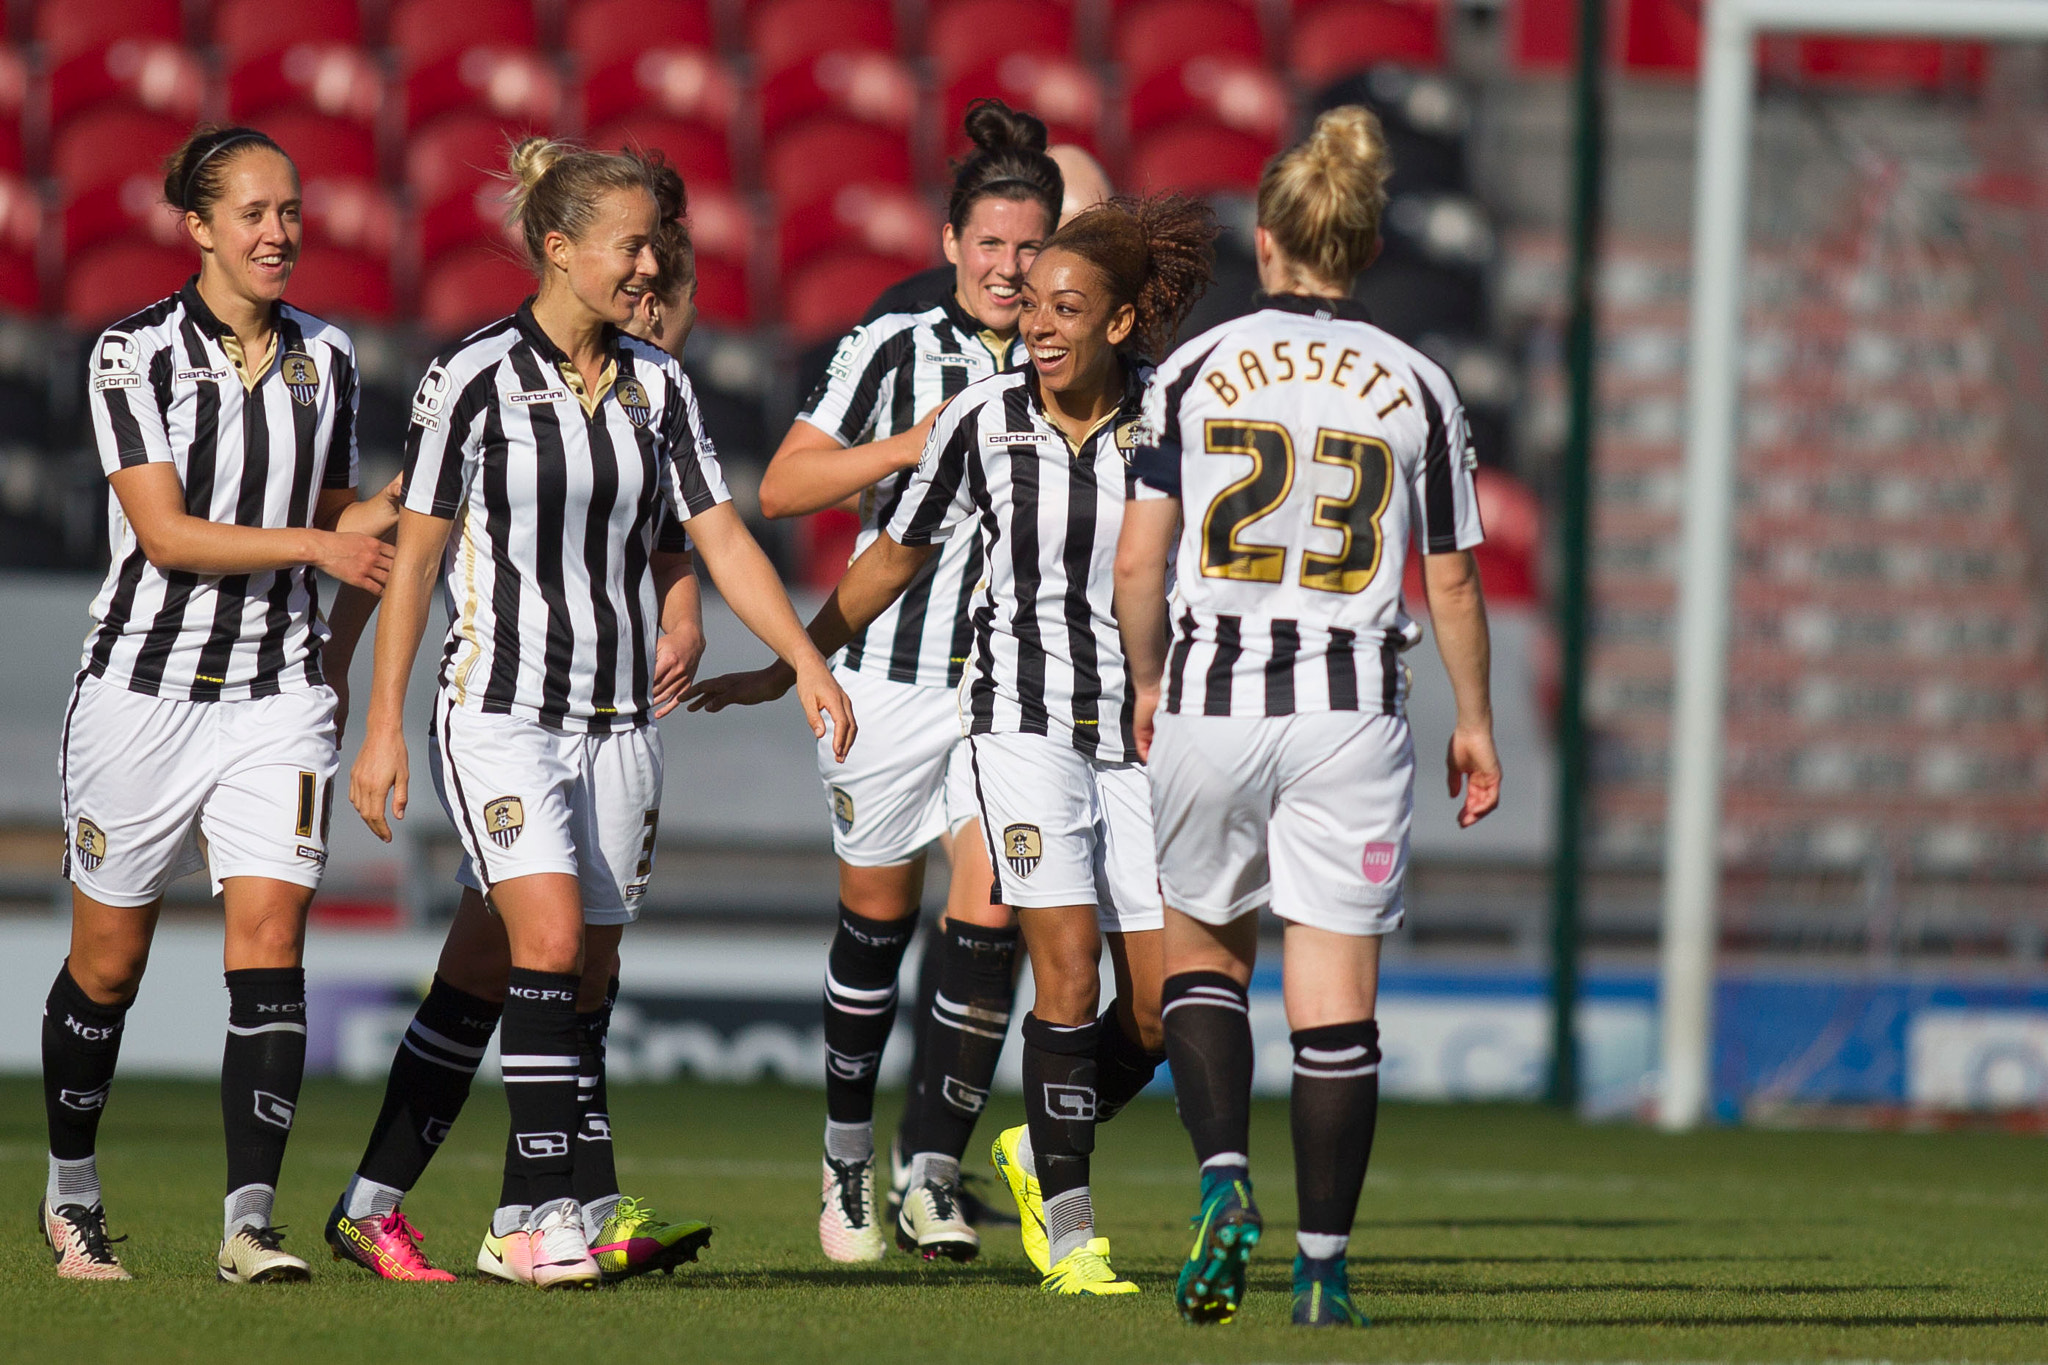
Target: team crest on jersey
<point x="1135" y="434"/>
<point x="504" y="818"/>
<point x="842" y="810"/>
<point x="633" y="398"/>
<point x="301" y="376"/>
<point x="1022" y="848"/>
<point x="90" y="845"/>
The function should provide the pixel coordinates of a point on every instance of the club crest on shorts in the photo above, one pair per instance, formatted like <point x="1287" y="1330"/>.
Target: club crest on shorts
<point x="91" y="845"/>
<point x="504" y="818"/>
<point x="1022" y="848"/>
<point x="633" y="398"/>
<point x="842" y="810"/>
<point x="301" y="376"/>
<point x="1379" y="861"/>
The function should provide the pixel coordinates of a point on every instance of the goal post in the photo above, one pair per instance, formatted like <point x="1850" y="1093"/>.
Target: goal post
<point x="1692" y="853"/>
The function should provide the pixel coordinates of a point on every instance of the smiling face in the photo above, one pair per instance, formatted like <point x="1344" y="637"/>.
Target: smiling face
<point x="1071" y="322"/>
<point x="611" y="267"/>
<point x="250" y="234"/>
<point x="990" y="255"/>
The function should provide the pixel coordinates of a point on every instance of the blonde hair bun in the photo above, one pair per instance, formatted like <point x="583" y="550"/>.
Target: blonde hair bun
<point x="1322" y="200"/>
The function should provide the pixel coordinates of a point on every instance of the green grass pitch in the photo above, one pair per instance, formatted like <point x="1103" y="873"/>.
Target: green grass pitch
<point x="1487" y="1233"/>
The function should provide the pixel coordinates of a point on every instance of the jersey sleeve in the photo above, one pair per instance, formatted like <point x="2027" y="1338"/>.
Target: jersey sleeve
<point x="1446" y="503"/>
<point x="343" y="466"/>
<point x="127" y="416"/>
<point x="444" y="441"/>
<point x="862" y="371"/>
<point x="670" y="537"/>
<point x="695" y="482"/>
<point x="1157" y="466"/>
<point x="937" y="498"/>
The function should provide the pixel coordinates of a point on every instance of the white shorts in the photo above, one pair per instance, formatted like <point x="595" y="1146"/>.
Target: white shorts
<point x="906" y="781"/>
<point x="526" y="799"/>
<point x="1308" y="814"/>
<point x="155" y="788"/>
<point x="1064" y="829"/>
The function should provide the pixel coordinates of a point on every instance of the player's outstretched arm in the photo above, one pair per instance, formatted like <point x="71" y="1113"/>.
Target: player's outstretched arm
<point x="1141" y="555"/>
<point x="748" y="582"/>
<point x="381" y="770"/>
<point x="376" y="515"/>
<point x="1457" y="610"/>
<point x="680" y="646"/>
<point x="811" y="471"/>
<point x="172" y="538"/>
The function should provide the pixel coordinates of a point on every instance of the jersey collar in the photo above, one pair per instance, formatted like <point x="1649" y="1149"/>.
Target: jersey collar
<point x="1128" y="409"/>
<point x="1350" y="310"/>
<point x="972" y="326"/>
<point x="558" y="359"/>
<point x="224" y="336"/>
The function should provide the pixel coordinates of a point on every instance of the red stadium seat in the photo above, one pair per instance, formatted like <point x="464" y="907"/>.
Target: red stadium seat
<point x="723" y="234"/>
<point x="813" y="160"/>
<point x="864" y="87"/>
<point x="1167" y="33"/>
<point x="118" y="278"/>
<point x="334" y="283"/>
<point x="602" y="32"/>
<point x="133" y="208"/>
<point x="685" y="83"/>
<point x="148" y="73"/>
<point x="783" y="32"/>
<point x="423" y="30"/>
<point x="21" y="231"/>
<point x="1064" y="93"/>
<point x="104" y="146"/>
<point x="1343" y="36"/>
<point x="514" y="84"/>
<point x="1195" y="157"/>
<point x="972" y="33"/>
<point x="467" y="288"/>
<point x="350" y="215"/>
<point x="454" y="155"/>
<point x="464" y="219"/>
<point x="337" y="79"/>
<point x="13" y="96"/>
<point x="1236" y="93"/>
<point x="878" y="220"/>
<point x="1890" y="64"/>
<point x="244" y="29"/>
<point x="323" y="147"/>
<point x="699" y="153"/>
<point x="66" y="28"/>
<point x="723" y="297"/>
<point x="1661" y="37"/>
<point x="828" y="295"/>
<point x="20" y="288"/>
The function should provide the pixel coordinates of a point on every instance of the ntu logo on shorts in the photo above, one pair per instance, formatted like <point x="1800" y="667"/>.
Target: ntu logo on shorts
<point x="633" y="398"/>
<point x="1022" y="848"/>
<point x="91" y="845"/>
<point x="1379" y="861"/>
<point x="842" y="810"/>
<point x="504" y="818"/>
<point x="300" y="376"/>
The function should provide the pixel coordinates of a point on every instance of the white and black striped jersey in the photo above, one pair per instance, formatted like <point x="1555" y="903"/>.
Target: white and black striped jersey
<point x="1047" y="659"/>
<point x="551" y="606"/>
<point x="164" y="387"/>
<point x="1306" y="446"/>
<point x="884" y="378"/>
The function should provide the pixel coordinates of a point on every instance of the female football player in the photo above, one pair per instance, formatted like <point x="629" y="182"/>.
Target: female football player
<point x="1309" y="448"/>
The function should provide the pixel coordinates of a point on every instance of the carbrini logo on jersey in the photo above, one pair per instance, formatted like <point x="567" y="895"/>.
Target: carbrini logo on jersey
<point x="1022" y="848"/>
<point x="504" y="818"/>
<point x="633" y="398"/>
<point x="301" y="376"/>
<point x="91" y="845"/>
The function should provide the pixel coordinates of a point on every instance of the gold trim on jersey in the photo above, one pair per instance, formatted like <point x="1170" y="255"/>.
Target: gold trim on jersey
<point x="574" y="378"/>
<point x="231" y="346"/>
<point x="466" y="624"/>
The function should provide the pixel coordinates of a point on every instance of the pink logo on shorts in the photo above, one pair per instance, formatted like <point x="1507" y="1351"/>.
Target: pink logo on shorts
<point x="1379" y="861"/>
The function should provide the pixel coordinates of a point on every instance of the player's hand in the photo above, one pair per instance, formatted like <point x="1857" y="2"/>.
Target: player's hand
<point x="822" y="696"/>
<point x="1473" y="765"/>
<point x="742" y="689"/>
<point x="912" y="450"/>
<point x="380" y="773"/>
<point x="1144" y="705"/>
<point x="359" y="560"/>
<point x="676" y="656"/>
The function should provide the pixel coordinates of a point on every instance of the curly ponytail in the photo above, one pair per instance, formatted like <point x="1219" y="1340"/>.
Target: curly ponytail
<point x="1322" y="200"/>
<point x="1156" y="254"/>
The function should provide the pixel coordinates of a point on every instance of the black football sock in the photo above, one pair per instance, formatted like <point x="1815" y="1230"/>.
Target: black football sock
<point x="1122" y="1067"/>
<point x="1209" y="1041"/>
<point x="970" y="1018"/>
<point x="1059" y="1106"/>
<point x="920" y="1035"/>
<point x="81" y="1043"/>
<point x="541" y="1046"/>
<point x="1336" y="1100"/>
<point x="860" y="1013"/>
<point x="597" y="1175"/>
<point x="260" y="1071"/>
<point x="430" y="1078"/>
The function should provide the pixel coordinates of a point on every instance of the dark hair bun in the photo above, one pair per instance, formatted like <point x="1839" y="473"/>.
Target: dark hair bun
<point x="996" y="127"/>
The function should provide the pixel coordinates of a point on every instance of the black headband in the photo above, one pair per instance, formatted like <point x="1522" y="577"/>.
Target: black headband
<point x="192" y="176"/>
